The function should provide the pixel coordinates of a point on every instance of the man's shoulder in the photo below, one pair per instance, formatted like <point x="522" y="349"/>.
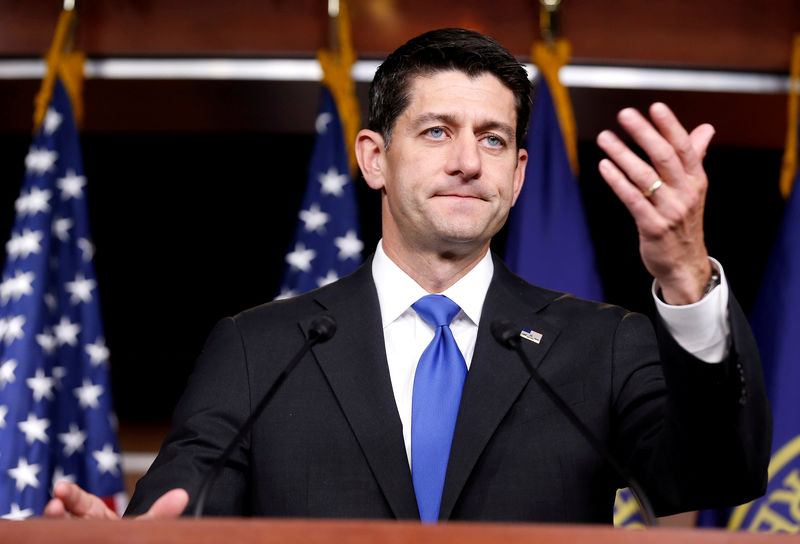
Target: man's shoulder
<point x="547" y="300"/>
<point x="357" y="285"/>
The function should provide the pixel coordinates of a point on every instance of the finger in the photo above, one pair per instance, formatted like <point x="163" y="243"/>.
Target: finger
<point x="647" y="219"/>
<point x="55" y="509"/>
<point x="701" y="138"/>
<point x="79" y="503"/>
<point x="638" y="171"/>
<point x="660" y="151"/>
<point x="669" y="126"/>
<point x="169" y="505"/>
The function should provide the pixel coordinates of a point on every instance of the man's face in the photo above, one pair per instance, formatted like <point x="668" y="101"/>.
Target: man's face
<point x="452" y="170"/>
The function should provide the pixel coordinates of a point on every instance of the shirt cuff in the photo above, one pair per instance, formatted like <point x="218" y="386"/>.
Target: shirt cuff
<point x="701" y="328"/>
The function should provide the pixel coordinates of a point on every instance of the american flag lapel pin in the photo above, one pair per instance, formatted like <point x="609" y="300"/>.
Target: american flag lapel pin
<point x="533" y="336"/>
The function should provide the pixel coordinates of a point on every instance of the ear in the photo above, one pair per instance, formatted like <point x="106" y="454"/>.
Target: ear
<point x="370" y="151"/>
<point x="519" y="173"/>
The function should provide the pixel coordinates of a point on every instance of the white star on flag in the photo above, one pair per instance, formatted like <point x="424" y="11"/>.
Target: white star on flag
<point x="41" y="386"/>
<point x="17" y="514"/>
<point x="300" y="258"/>
<point x="17" y="287"/>
<point x="88" y="394"/>
<point x="349" y="246"/>
<point x="87" y="249"/>
<point x="7" y="372"/>
<point x="314" y="218"/>
<point x="52" y="120"/>
<point x="34" y="429"/>
<point x="330" y="277"/>
<point x="66" y="332"/>
<point x="333" y="182"/>
<point x="98" y="352"/>
<point x="39" y="161"/>
<point x="71" y="185"/>
<point x="321" y="124"/>
<point x="61" y="228"/>
<point x="58" y="374"/>
<point x="25" y="244"/>
<point x="33" y="202"/>
<point x="59" y="476"/>
<point x="286" y="293"/>
<point x="47" y="342"/>
<point x="51" y="302"/>
<point x="80" y="290"/>
<point x="3" y="413"/>
<point x="11" y="328"/>
<point x="25" y="474"/>
<point x="73" y="440"/>
<point x="107" y="459"/>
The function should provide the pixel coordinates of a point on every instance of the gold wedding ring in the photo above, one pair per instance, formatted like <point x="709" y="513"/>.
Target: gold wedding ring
<point x="653" y="188"/>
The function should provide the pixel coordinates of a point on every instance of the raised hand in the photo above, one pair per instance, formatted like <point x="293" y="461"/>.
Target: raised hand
<point x="665" y="198"/>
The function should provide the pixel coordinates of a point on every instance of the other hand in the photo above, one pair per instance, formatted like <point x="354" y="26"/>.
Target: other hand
<point x="70" y="501"/>
<point x="665" y="198"/>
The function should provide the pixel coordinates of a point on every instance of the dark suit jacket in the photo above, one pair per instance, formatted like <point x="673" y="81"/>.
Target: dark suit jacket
<point x="330" y="443"/>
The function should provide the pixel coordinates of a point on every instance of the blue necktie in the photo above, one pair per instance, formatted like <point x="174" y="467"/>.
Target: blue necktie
<point x="434" y="406"/>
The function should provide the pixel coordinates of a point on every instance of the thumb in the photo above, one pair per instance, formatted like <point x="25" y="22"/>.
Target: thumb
<point x="169" y="505"/>
<point x="701" y="137"/>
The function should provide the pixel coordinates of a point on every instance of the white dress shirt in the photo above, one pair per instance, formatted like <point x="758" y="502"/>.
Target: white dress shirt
<point x="406" y="334"/>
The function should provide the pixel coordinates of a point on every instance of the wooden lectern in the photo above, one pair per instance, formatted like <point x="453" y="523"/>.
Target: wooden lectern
<point x="266" y="531"/>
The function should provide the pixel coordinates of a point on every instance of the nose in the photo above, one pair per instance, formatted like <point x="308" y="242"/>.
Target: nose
<point x="464" y="159"/>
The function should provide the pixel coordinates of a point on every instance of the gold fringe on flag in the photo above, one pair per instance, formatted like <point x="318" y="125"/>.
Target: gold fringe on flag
<point x="67" y="65"/>
<point x="789" y="167"/>
<point x="549" y="58"/>
<point x="336" y="66"/>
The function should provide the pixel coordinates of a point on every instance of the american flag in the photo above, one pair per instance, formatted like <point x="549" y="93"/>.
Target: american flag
<point x="56" y="419"/>
<point x="327" y="244"/>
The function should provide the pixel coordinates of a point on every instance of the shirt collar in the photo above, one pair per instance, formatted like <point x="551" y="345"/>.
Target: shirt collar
<point x="397" y="291"/>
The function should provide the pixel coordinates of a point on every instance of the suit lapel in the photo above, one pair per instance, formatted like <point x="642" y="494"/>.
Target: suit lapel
<point x="354" y="363"/>
<point x="496" y="376"/>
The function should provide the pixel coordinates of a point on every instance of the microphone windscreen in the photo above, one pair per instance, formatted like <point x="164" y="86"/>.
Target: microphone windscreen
<point x="505" y="333"/>
<point x="322" y="327"/>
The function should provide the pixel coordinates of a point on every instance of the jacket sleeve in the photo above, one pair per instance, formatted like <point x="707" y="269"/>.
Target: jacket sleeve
<point x="701" y="437"/>
<point x="215" y="404"/>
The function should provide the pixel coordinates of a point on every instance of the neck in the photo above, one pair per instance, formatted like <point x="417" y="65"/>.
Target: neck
<point x="434" y="271"/>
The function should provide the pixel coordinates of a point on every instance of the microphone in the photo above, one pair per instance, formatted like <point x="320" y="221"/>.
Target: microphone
<point x="506" y="334"/>
<point x="322" y="328"/>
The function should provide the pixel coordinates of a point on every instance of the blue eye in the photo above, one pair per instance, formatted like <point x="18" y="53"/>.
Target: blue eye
<point x="494" y="141"/>
<point x="435" y="132"/>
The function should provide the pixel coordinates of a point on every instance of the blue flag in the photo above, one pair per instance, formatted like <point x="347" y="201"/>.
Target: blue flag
<point x="327" y="242"/>
<point x="548" y="236"/>
<point x="56" y="419"/>
<point x="776" y="324"/>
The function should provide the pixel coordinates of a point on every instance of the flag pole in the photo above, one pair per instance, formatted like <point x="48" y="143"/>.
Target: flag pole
<point x="64" y="63"/>
<point x="789" y="167"/>
<point x="337" y="62"/>
<point x="549" y="54"/>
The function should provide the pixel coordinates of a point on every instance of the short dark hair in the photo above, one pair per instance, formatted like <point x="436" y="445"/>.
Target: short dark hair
<point x="437" y="51"/>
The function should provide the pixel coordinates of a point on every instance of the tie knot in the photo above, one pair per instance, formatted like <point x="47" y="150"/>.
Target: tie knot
<point x="436" y="310"/>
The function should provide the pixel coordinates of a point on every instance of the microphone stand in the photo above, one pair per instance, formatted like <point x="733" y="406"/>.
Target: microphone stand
<point x="507" y="335"/>
<point x="322" y="328"/>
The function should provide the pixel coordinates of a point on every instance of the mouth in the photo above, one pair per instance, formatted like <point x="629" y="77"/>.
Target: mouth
<point x="459" y="196"/>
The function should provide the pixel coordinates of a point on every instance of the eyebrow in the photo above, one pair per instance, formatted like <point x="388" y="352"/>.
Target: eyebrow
<point x="448" y="119"/>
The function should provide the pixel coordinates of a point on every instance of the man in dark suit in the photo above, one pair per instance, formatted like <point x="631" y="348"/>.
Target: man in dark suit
<point x="445" y="148"/>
